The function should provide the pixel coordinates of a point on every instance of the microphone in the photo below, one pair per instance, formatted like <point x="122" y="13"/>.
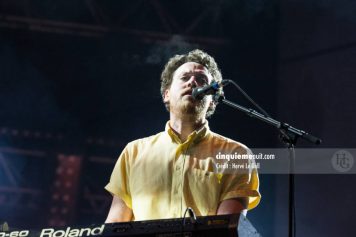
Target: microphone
<point x="200" y="92"/>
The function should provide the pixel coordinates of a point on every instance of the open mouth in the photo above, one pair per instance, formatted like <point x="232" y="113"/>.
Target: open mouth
<point x="189" y="92"/>
<point x="188" y="96"/>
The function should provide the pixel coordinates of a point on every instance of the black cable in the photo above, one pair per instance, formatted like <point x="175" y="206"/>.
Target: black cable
<point x="193" y="217"/>
<point x="248" y="97"/>
<point x="191" y="214"/>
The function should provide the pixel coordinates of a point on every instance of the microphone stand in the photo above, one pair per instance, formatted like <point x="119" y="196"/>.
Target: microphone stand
<point x="289" y="135"/>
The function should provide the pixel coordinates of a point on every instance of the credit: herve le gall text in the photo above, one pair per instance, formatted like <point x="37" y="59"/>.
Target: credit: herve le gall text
<point x="243" y="166"/>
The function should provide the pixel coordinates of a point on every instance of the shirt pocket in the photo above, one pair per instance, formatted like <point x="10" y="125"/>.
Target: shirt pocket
<point x="203" y="176"/>
<point x="205" y="190"/>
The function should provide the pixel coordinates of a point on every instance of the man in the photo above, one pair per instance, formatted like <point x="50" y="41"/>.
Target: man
<point x="162" y="175"/>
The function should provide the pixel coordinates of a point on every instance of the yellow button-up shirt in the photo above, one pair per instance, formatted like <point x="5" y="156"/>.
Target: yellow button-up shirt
<point x="159" y="176"/>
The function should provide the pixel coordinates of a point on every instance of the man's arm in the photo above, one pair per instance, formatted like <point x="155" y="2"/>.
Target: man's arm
<point x="119" y="212"/>
<point x="233" y="206"/>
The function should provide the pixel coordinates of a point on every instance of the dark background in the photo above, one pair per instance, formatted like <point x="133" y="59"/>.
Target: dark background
<point x="80" y="79"/>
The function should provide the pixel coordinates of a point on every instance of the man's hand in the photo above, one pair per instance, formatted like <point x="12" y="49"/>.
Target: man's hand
<point x="233" y="206"/>
<point x="119" y="212"/>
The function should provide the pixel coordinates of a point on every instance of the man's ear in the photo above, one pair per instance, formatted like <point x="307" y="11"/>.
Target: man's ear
<point x="212" y="104"/>
<point x="166" y="96"/>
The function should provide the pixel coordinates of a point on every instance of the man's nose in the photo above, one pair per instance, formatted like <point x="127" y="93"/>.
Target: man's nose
<point x="192" y="82"/>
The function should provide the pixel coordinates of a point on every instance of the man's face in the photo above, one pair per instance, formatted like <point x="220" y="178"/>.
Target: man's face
<point x="179" y="95"/>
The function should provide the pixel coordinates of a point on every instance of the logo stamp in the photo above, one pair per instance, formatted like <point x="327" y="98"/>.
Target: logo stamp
<point x="342" y="161"/>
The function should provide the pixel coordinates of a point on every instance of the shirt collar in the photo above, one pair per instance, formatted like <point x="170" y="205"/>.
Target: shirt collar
<point x="194" y="137"/>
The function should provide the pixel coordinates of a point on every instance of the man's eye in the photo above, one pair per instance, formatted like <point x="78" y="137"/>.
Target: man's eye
<point x="202" y="80"/>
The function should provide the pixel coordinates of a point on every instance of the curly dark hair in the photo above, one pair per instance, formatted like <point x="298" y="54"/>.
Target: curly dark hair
<point x="197" y="56"/>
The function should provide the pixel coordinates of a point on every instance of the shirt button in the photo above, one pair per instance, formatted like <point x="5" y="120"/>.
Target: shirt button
<point x="177" y="167"/>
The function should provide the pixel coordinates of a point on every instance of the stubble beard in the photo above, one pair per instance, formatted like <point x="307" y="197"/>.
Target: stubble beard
<point x="196" y="108"/>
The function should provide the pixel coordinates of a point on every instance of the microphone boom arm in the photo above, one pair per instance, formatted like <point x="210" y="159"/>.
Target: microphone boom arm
<point x="292" y="133"/>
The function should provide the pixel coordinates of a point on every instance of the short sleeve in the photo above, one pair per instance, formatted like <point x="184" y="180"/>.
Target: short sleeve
<point x="243" y="184"/>
<point x="119" y="180"/>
